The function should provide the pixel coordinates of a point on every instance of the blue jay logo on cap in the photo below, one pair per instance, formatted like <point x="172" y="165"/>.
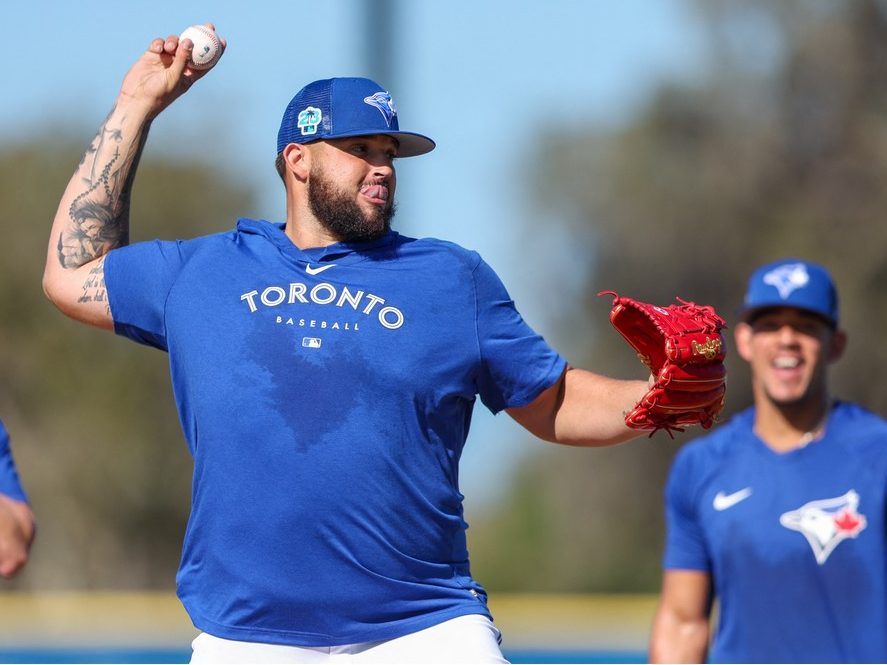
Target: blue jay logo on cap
<point x="383" y="102"/>
<point x="787" y="278"/>
<point x="308" y="121"/>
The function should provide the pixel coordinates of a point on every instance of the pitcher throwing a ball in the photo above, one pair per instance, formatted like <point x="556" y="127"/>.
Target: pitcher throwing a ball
<point x="325" y="369"/>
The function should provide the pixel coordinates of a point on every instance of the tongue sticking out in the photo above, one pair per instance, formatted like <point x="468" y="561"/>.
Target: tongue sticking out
<point x="375" y="192"/>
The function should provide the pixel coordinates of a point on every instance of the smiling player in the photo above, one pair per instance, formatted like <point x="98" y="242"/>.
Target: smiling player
<point x="779" y="514"/>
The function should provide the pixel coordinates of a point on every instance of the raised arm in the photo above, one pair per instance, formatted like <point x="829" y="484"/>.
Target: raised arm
<point x="681" y="625"/>
<point x="93" y="215"/>
<point x="582" y="409"/>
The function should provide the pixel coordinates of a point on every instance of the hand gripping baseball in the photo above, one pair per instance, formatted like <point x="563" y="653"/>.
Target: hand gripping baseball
<point x="684" y="350"/>
<point x="162" y="74"/>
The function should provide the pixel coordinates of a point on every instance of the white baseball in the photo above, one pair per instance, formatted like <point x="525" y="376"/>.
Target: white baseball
<point x="207" y="47"/>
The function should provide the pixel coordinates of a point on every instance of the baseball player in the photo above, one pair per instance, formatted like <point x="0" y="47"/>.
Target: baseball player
<point x="779" y="514"/>
<point x="325" y="371"/>
<point x="16" y="518"/>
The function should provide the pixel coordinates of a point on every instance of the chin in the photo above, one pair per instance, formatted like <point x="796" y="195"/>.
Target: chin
<point x="789" y="398"/>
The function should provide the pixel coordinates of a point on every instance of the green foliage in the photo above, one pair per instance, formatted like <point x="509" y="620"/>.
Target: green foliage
<point x="761" y="159"/>
<point x="575" y="521"/>
<point x="93" y="423"/>
<point x="707" y="182"/>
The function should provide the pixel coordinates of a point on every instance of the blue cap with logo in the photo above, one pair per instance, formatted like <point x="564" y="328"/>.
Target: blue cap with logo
<point x="792" y="283"/>
<point x="341" y="107"/>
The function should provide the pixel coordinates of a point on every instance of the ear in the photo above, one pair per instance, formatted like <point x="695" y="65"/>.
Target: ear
<point x="742" y="334"/>
<point x="837" y="345"/>
<point x="297" y="158"/>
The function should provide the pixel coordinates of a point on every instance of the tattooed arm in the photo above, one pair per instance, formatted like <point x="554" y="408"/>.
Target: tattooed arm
<point x="93" y="214"/>
<point x="93" y="218"/>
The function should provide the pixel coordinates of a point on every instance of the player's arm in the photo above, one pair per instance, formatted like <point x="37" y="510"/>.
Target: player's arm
<point x="582" y="409"/>
<point x="93" y="215"/>
<point x="16" y="535"/>
<point x="681" y="624"/>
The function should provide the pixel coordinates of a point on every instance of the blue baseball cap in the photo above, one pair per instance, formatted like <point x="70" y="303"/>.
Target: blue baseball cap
<point x="340" y="107"/>
<point x="792" y="283"/>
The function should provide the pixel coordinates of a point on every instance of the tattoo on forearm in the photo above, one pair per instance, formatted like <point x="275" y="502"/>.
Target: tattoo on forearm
<point x="94" y="286"/>
<point x="99" y="216"/>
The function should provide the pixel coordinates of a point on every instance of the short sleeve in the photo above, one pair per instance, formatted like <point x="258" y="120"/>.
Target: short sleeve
<point x="138" y="279"/>
<point x="9" y="481"/>
<point x="685" y="547"/>
<point x="516" y="364"/>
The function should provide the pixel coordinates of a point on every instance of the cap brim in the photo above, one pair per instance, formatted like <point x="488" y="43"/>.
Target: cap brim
<point x="409" y="144"/>
<point x="746" y="314"/>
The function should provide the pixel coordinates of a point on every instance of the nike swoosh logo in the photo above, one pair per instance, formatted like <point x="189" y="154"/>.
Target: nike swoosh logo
<point x="723" y="501"/>
<point x="315" y="271"/>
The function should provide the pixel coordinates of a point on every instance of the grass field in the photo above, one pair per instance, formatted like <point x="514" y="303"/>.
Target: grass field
<point x="106" y="627"/>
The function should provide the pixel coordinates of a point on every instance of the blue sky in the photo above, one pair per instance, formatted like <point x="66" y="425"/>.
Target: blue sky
<point x="485" y="79"/>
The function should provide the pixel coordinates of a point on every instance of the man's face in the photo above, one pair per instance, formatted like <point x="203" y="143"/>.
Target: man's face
<point x="788" y="350"/>
<point x="351" y="186"/>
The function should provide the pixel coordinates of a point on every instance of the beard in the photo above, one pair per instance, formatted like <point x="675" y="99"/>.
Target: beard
<point x="340" y="214"/>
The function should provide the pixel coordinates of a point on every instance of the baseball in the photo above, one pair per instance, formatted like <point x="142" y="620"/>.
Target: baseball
<point x="207" y="47"/>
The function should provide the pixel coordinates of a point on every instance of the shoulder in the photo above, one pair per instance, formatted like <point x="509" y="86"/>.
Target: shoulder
<point x="244" y="231"/>
<point x="857" y="416"/>
<point x="209" y="245"/>
<point x="439" y="250"/>
<point x="860" y="428"/>
<point x="214" y="240"/>
<point x="448" y="264"/>
<point x="179" y="249"/>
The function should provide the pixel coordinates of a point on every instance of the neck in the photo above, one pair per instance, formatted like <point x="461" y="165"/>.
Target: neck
<point x="303" y="228"/>
<point x="786" y="427"/>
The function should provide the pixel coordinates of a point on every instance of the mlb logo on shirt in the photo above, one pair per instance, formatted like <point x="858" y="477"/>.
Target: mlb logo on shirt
<point x="311" y="342"/>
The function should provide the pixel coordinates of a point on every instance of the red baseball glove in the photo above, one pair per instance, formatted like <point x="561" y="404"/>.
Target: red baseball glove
<point x="684" y="350"/>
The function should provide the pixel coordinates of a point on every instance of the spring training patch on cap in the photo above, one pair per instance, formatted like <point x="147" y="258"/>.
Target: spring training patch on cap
<point x="383" y="102"/>
<point x="308" y="121"/>
<point x="787" y="278"/>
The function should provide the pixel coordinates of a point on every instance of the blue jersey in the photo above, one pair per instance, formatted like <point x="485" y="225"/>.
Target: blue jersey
<point x="9" y="482"/>
<point x="794" y="542"/>
<point x="325" y="395"/>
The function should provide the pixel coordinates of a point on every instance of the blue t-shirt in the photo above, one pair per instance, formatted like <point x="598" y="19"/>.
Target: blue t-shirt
<point x="9" y="482"/>
<point x="325" y="395"/>
<point x="794" y="542"/>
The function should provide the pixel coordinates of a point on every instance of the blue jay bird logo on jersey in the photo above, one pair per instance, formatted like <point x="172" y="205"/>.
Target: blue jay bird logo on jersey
<point x="383" y="102"/>
<point x="787" y="278"/>
<point x="308" y="120"/>
<point x="826" y="523"/>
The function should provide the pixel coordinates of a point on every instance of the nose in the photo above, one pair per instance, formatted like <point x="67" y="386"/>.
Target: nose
<point x="787" y="335"/>
<point x="383" y="173"/>
<point x="383" y="168"/>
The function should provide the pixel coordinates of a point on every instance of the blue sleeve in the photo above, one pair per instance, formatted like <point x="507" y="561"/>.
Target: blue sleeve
<point x="685" y="547"/>
<point x="516" y="364"/>
<point x="9" y="482"/>
<point x="138" y="279"/>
